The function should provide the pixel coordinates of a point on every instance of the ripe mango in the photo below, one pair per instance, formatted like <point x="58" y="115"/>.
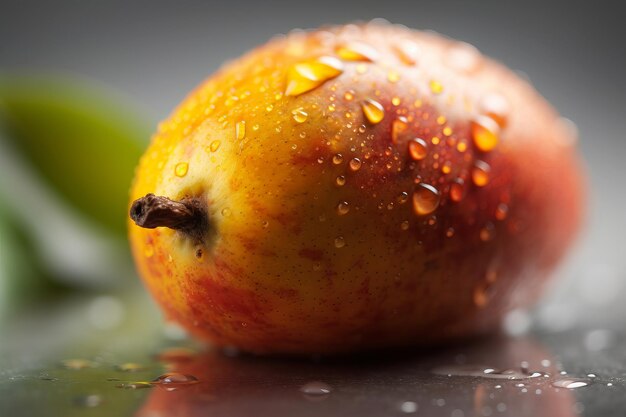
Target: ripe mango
<point x="354" y="187"/>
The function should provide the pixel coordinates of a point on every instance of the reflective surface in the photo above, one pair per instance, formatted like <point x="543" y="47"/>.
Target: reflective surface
<point x="72" y="361"/>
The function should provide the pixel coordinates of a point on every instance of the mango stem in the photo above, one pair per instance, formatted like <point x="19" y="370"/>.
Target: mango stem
<point x="188" y="215"/>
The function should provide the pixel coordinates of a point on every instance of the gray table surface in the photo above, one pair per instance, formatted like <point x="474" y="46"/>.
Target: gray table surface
<point x="452" y="382"/>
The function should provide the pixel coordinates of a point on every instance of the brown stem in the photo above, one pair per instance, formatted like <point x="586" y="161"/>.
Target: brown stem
<point x="188" y="216"/>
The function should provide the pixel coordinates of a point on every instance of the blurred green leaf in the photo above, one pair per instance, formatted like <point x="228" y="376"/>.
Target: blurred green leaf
<point x="84" y="142"/>
<point x="21" y="279"/>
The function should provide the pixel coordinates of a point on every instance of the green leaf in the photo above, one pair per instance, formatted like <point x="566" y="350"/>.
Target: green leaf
<point x="82" y="140"/>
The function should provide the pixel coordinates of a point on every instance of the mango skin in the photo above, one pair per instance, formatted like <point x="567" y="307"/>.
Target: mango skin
<point x="270" y="278"/>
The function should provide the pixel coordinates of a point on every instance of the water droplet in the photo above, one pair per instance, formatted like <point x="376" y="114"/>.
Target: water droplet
<point x="130" y="367"/>
<point x="215" y="145"/>
<point x="306" y="76"/>
<point x="226" y="212"/>
<point x="77" y="364"/>
<point x="457" y="190"/>
<point x="435" y="140"/>
<point x="343" y="208"/>
<point x="89" y="401"/>
<point x="181" y="169"/>
<point x="240" y="129"/>
<point x="337" y="159"/>
<point x="316" y="388"/>
<point x="340" y="181"/>
<point x="502" y="211"/>
<point x="373" y="110"/>
<point x="450" y="232"/>
<point x="436" y="87"/>
<point x="403" y="197"/>
<point x="299" y="115"/>
<point x="425" y="199"/>
<point x="481" y="371"/>
<point x="463" y="57"/>
<point x="482" y="294"/>
<point x="269" y="108"/>
<point x="446" y="168"/>
<point x="340" y="242"/>
<point x="398" y="127"/>
<point x="461" y="146"/>
<point x="175" y="379"/>
<point x="497" y="107"/>
<point x="135" y="385"/>
<point x="485" y="133"/>
<point x="396" y="101"/>
<point x="480" y="173"/>
<point x="357" y="51"/>
<point x="361" y="68"/>
<point x="355" y="164"/>
<point x="570" y="383"/>
<point x="404" y="225"/>
<point x="418" y="149"/>
<point x="349" y="95"/>
<point x="488" y="232"/>
<point x="407" y="51"/>
<point x="393" y="76"/>
<point x="408" y="407"/>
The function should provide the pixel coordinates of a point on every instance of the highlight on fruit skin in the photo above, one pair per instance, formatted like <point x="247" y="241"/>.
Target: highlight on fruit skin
<point x="355" y="187"/>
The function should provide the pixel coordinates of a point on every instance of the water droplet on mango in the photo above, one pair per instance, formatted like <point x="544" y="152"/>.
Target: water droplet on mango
<point x="484" y="131"/>
<point x="398" y="127"/>
<point x="181" y="169"/>
<point x="240" y="129"/>
<point x="426" y="199"/>
<point x="340" y="242"/>
<point x="502" y="211"/>
<point x="481" y="173"/>
<point x="306" y="76"/>
<point x="299" y="115"/>
<point x="436" y="87"/>
<point x="407" y="51"/>
<point x="343" y="208"/>
<point x="496" y="107"/>
<point x="355" y="164"/>
<point x="373" y="111"/>
<point x="418" y="149"/>
<point x="215" y="145"/>
<point x="457" y="190"/>
<point x="357" y="51"/>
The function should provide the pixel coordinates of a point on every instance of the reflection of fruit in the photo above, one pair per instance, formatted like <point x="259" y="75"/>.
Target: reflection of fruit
<point x="379" y="385"/>
<point x="351" y="188"/>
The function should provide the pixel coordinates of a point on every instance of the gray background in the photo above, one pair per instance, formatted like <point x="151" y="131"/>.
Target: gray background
<point x="156" y="51"/>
